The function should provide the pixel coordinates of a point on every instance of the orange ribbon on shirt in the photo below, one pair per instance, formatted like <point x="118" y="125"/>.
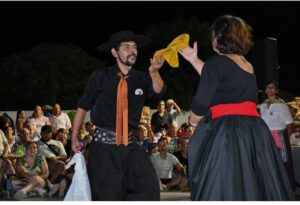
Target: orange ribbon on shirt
<point x="122" y="111"/>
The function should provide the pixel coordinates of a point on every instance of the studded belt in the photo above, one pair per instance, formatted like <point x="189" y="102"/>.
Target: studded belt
<point x="109" y="137"/>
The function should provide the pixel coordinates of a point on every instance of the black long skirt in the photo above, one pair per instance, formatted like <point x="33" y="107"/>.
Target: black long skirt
<point x="119" y="173"/>
<point x="235" y="158"/>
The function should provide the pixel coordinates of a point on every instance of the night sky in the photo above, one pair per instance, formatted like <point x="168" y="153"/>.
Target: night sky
<point x="87" y="24"/>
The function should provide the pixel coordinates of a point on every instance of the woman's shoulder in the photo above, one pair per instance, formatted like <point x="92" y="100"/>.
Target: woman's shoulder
<point x="217" y="58"/>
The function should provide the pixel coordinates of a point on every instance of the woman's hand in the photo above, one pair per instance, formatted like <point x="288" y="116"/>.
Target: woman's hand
<point x="189" y="53"/>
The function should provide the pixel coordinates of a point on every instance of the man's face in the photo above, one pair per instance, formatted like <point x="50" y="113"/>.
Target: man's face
<point x="163" y="146"/>
<point x="25" y="136"/>
<point x="127" y="53"/>
<point x="161" y="106"/>
<point x="46" y="136"/>
<point x="271" y="90"/>
<point x="56" y="109"/>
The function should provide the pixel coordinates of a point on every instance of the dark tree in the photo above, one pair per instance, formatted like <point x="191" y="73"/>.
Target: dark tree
<point x="44" y="75"/>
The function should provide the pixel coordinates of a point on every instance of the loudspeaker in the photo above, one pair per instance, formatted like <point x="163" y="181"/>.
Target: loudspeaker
<point x="263" y="57"/>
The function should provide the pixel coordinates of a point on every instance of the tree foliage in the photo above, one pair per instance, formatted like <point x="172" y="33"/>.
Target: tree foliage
<point x="51" y="73"/>
<point x="44" y="75"/>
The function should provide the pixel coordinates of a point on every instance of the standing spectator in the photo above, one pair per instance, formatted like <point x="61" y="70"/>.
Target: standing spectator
<point x="174" y="110"/>
<point x="47" y="110"/>
<point x="20" y="120"/>
<point x="161" y="118"/>
<point x="38" y="119"/>
<point x="275" y="112"/>
<point x="59" y="119"/>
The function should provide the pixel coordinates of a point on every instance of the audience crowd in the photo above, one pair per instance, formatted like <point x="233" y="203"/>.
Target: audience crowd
<point x="35" y="149"/>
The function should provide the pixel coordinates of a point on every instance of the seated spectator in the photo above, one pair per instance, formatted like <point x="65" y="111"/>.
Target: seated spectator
<point x="173" y="143"/>
<point x="90" y="128"/>
<point x="185" y="131"/>
<point x="10" y="137"/>
<point x="6" y="170"/>
<point x="53" y="151"/>
<point x="32" y="174"/>
<point x="164" y="163"/>
<point x="295" y="137"/>
<point x="141" y="137"/>
<point x="145" y="116"/>
<point x="33" y="133"/>
<point x="152" y="148"/>
<point x="182" y="156"/>
<point x="4" y="146"/>
<point x="62" y="136"/>
<point x="19" y="148"/>
<point x="5" y="121"/>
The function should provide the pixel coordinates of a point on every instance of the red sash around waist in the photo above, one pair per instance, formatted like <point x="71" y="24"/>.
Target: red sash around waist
<point x="244" y="108"/>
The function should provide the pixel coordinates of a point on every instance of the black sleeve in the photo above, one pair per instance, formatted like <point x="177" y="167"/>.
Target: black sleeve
<point x="207" y="86"/>
<point x="89" y="96"/>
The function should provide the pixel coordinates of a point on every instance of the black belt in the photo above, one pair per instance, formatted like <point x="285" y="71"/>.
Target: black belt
<point x="109" y="137"/>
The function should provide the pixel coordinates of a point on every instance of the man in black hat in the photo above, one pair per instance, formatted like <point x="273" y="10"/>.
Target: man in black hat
<point x="118" y="168"/>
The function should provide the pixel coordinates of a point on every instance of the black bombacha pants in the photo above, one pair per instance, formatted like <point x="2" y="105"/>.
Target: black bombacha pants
<point x="120" y="173"/>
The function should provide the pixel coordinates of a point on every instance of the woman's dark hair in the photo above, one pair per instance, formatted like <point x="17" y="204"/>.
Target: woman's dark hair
<point x="233" y="35"/>
<point x="18" y="113"/>
<point x="274" y="83"/>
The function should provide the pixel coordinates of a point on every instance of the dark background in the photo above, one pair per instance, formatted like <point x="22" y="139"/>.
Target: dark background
<point x="87" y="24"/>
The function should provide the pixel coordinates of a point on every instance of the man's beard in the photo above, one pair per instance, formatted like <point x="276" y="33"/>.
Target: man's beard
<point x="127" y="62"/>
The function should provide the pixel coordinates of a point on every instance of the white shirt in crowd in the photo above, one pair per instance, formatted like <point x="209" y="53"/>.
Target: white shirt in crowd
<point x="164" y="167"/>
<point x="277" y="116"/>
<point x="173" y="113"/>
<point x="3" y="142"/>
<point x="46" y="152"/>
<point x="62" y="121"/>
<point x="38" y="122"/>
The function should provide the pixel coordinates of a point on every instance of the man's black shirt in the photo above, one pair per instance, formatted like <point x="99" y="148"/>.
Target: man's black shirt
<point x="100" y="96"/>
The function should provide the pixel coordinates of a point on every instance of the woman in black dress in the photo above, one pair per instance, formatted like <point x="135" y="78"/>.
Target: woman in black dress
<point x="232" y="155"/>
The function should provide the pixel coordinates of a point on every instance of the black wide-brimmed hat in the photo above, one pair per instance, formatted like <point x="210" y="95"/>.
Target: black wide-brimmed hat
<point x="123" y="36"/>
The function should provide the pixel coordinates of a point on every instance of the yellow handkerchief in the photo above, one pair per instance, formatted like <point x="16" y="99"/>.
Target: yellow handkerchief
<point x="171" y="52"/>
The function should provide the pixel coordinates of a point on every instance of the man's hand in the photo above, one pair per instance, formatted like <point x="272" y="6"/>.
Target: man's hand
<point x="75" y="145"/>
<point x="156" y="64"/>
